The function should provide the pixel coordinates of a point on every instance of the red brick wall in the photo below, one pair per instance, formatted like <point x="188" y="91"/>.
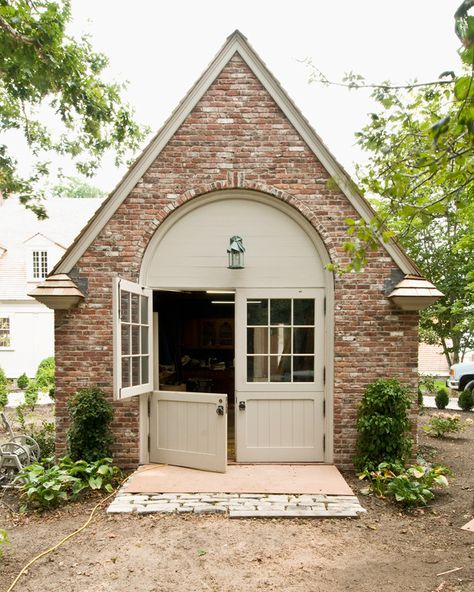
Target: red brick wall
<point x="235" y="137"/>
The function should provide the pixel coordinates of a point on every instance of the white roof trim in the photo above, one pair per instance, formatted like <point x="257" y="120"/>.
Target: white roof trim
<point x="45" y="237"/>
<point x="235" y="43"/>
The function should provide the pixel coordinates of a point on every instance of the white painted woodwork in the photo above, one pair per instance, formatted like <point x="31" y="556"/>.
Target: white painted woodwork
<point x="31" y="334"/>
<point x="144" y="386"/>
<point x="187" y="431"/>
<point x="283" y="421"/>
<point x="190" y="249"/>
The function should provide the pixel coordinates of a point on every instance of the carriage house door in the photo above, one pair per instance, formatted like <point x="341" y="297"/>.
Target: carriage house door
<point x="185" y="429"/>
<point x="279" y="404"/>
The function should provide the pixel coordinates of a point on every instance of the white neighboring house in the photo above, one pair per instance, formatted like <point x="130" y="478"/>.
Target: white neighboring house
<point x="29" y="249"/>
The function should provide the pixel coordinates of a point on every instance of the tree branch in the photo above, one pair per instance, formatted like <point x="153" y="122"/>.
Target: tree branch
<point x="14" y="33"/>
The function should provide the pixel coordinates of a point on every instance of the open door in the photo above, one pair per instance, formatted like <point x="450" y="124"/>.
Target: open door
<point x="186" y="429"/>
<point x="189" y="430"/>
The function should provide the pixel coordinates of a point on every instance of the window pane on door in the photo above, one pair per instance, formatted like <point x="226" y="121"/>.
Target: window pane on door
<point x="280" y="340"/>
<point x="125" y="372"/>
<point x="280" y="311"/>
<point x="303" y="369"/>
<point x="303" y="341"/>
<point x="257" y="312"/>
<point x="257" y="369"/>
<point x="280" y="369"/>
<point x="303" y="311"/>
<point x="257" y="340"/>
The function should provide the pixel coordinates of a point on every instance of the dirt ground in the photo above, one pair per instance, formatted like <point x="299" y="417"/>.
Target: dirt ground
<point x="385" y="550"/>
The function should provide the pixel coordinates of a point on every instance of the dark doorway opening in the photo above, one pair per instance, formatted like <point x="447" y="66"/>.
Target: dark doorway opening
<point x="196" y="346"/>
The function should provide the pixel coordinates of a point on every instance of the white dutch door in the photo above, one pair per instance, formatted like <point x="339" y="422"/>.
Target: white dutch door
<point x="185" y="429"/>
<point x="189" y="430"/>
<point x="279" y="375"/>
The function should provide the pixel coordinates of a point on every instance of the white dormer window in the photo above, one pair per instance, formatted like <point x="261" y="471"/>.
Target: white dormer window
<point x="40" y="265"/>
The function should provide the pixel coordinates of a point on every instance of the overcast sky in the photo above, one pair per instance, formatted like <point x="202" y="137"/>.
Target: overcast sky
<point x="162" y="47"/>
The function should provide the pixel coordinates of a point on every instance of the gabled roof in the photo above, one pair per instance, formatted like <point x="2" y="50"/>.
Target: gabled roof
<point x="45" y="240"/>
<point x="236" y="43"/>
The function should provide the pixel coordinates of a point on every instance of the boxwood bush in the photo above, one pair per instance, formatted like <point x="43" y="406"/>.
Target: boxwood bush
<point x="90" y="437"/>
<point x="383" y="425"/>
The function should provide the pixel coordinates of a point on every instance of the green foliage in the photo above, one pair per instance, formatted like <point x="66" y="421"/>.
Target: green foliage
<point x="411" y="486"/>
<point x="22" y="381"/>
<point x="45" y="436"/>
<point x="420" y="174"/>
<point x="46" y="485"/>
<point x="77" y="188"/>
<point x="20" y="415"/>
<point x="466" y="400"/>
<point x="45" y="375"/>
<point x="441" y="424"/>
<point x="31" y="395"/>
<point x="90" y="437"/>
<point x="441" y="398"/>
<point x="383" y="425"/>
<point x="3" y="540"/>
<point x="45" y="71"/>
<point x="3" y="389"/>
<point x="427" y="384"/>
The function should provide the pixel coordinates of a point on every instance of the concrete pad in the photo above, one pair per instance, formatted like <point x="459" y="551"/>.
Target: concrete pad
<point x="263" y="479"/>
<point x="469" y="526"/>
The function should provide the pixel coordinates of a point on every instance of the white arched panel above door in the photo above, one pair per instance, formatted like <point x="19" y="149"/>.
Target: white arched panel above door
<point x="189" y="249"/>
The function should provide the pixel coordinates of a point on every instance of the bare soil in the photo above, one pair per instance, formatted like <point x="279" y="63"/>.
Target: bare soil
<point x="386" y="550"/>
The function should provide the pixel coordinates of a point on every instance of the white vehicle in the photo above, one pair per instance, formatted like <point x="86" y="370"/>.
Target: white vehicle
<point x="461" y="376"/>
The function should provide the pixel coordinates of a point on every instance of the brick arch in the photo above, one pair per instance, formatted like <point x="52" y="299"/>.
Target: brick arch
<point x="235" y="182"/>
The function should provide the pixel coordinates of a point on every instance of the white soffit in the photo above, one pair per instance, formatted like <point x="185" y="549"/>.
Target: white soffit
<point x="235" y="43"/>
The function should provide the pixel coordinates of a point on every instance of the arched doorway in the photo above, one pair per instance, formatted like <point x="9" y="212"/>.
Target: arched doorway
<point x="280" y="309"/>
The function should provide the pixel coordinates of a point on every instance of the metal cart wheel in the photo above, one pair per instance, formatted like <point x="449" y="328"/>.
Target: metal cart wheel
<point x="30" y="445"/>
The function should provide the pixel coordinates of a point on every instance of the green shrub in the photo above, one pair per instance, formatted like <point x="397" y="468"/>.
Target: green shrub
<point x="89" y="436"/>
<point x="45" y="436"/>
<point x="52" y="392"/>
<point x="3" y="540"/>
<point x="442" y="398"/>
<point x="46" y="485"/>
<point x="45" y="375"/>
<point x="22" y="381"/>
<point x="427" y="384"/>
<point x="20" y="415"/>
<point x="31" y="395"/>
<point x="441" y="424"/>
<point x="383" y="425"/>
<point x="3" y="390"/>
<point x="466" y="400"/>
<point x="412" y="486"/>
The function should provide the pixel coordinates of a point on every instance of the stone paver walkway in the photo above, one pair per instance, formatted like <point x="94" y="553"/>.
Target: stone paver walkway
<point x="239" y="505"/>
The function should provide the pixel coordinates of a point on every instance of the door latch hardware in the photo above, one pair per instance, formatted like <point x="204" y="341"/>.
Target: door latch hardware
<point x="220" y="409"/>
<point x="242" y="405"/>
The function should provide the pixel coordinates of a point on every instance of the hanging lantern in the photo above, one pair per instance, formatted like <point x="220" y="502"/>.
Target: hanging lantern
<point x="235" y="253"/>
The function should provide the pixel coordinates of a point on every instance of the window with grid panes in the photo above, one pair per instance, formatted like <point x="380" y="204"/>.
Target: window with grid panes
<point x="40" y="264"/>
<point x="280" y="340"/>
<point x="5" y="337"/>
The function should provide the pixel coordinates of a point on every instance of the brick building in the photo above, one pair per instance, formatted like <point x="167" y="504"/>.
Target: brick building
<point x="198" y="296"/>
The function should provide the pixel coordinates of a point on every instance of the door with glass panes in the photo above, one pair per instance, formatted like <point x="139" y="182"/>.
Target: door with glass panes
<point x="279" y="359"/>
<point x="185" y="429"/>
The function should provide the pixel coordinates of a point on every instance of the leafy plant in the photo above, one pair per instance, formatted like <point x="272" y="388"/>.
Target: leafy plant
<point x="45" y="375"/>
<point x="383" y="425"/>
<point x="466" y="400"/>
<point x="22" y="381"/>
<point x="45" y="437"/>
<point x="441" y="424"/>
<point x="441" y="398"/>
<point x="410" y="486"/>
<point x="3" y="389"/>
<point x="31" y="395"/>
<point x="90" y="437"/>
<point x="426" y="384"/>
<point x="20" y="415"/>
<point x="46" y="485"/>
<point x="3" y="540"/>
